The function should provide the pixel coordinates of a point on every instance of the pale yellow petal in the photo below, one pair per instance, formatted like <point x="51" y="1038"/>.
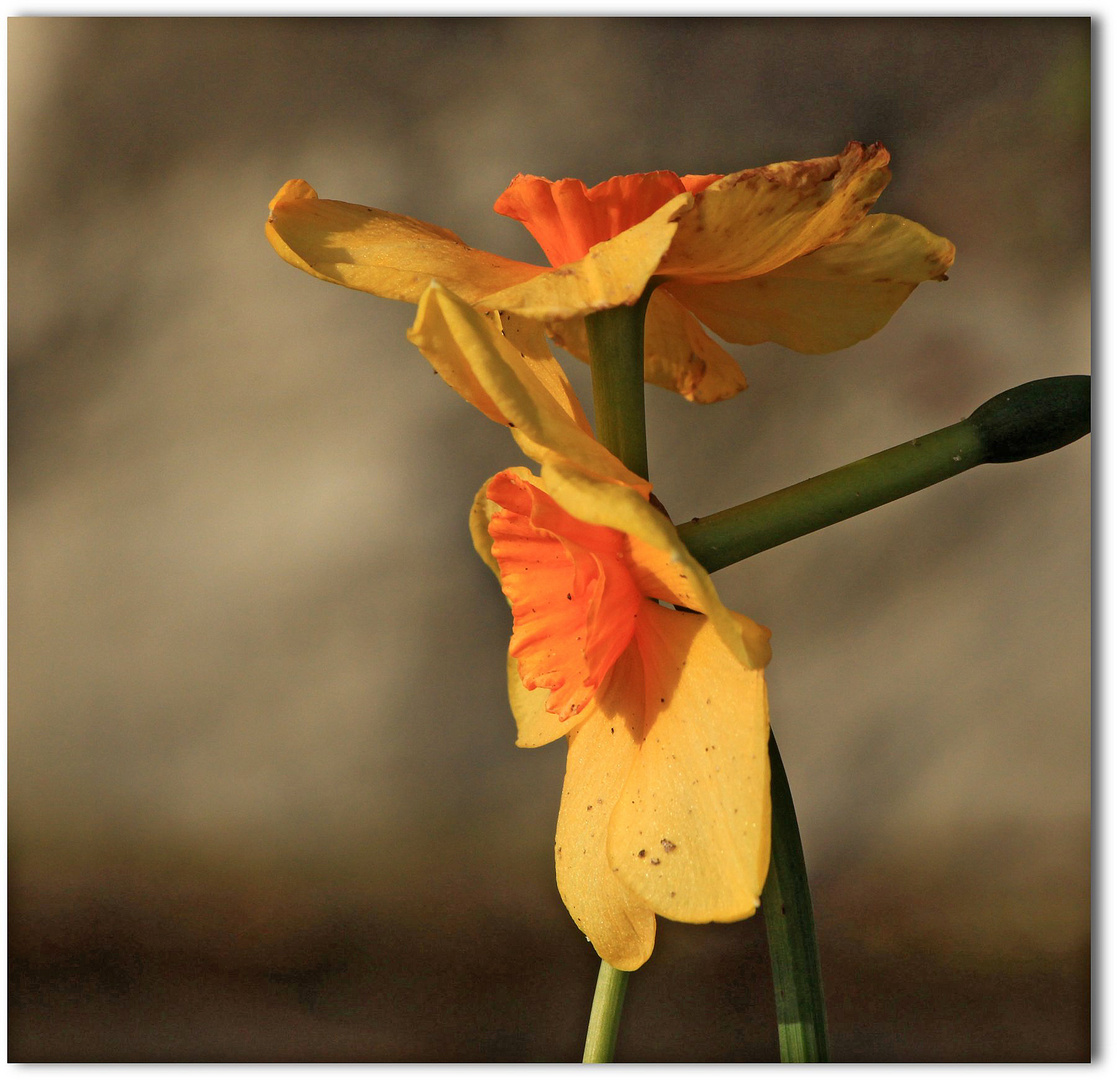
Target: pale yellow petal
<point x="377" y="252"/>
<point x="691" y="831"/>
<point x="613" y="273"/>
<point x="530" y="395"/>
<point x="530" y="339"/>
<point x="678" y="353"/>
<point x="601" y="754"/>
<point x="831" y="298"/>
<point x="751" y="222"/>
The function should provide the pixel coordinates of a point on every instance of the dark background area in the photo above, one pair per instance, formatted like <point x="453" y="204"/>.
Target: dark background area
<point x="264" y="802"/>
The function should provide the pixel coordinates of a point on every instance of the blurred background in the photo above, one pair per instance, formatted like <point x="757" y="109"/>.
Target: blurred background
<point x="264" y="799"/>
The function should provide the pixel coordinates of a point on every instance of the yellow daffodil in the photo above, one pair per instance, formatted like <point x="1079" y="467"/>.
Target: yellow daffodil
<point x="621" y="644"/>
<point x="785" y="253"/>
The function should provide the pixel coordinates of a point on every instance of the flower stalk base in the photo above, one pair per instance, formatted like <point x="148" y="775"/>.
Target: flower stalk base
<point x="605" y="1014"/>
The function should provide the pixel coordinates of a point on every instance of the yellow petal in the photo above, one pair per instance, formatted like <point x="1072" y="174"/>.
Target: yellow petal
<point x="570" y="334"/>
<point x="381" y="253"/>
<point x="529" y="394"/>
<point x="535" y="726"/>
<point x="482" y="511"/>
<point x="673" y="572"/>
<point x="678" y="353"/>
<point x="691" y="831"/>
<point x="530" y="340"/>
<point x="613" y="273"/>
<point x="681" y="356"/>
<point x="830" y="299"/>
<point x="751" y="222"/>
<point x="600" y="755"/>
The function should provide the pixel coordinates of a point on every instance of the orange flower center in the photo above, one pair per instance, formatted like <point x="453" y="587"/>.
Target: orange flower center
<point x="573" y="595"/>
<point x="567" y="218"/>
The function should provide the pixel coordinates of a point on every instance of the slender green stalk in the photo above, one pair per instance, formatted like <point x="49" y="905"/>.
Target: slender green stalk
<point x="605" y="1015"/>
<point x="1028" y="420"/>
<point x="745" y="530"/>
<point x="616" y="340"/>
<point x="785" y="904"/>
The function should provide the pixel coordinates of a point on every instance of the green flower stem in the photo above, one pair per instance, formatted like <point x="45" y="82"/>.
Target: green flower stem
<point x="785" y="904"/>
<point x="616" y="341"/>
<point x="1029" y="420"/>
<point x="605" y="1015"/>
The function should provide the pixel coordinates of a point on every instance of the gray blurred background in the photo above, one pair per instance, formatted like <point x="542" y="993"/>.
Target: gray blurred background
<point x="264" y="799"/>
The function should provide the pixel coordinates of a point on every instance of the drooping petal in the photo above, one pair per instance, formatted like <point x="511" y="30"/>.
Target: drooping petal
<point x="681" y="356"/>
<point x="530" y="339"/>
<point x="377" y="252"/>
<point x="691" y="831"/>
<point x="567" y="218"/>
<point x="678" y="353"/>
<point x="612" y="273"/>
<point x="529" y="394"/>
<point x="751" y="222"/>
<point x="831" y="298"/>
<point x="600" y="756"/>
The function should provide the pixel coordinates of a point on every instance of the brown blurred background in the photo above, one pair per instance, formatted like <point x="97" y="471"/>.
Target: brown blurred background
<point x="264" y="799"/>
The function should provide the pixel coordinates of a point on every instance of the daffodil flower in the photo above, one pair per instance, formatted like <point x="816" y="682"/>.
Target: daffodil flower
<point x="621" y="644"/>
<point x="786" y="253"/>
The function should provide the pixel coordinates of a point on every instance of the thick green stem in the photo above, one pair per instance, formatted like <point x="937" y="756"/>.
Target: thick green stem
<point x="1031" y="419"/>
<point x="605" y="1015"/>
<point x="616" y="340"/>
<point x="785" y="904"/>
